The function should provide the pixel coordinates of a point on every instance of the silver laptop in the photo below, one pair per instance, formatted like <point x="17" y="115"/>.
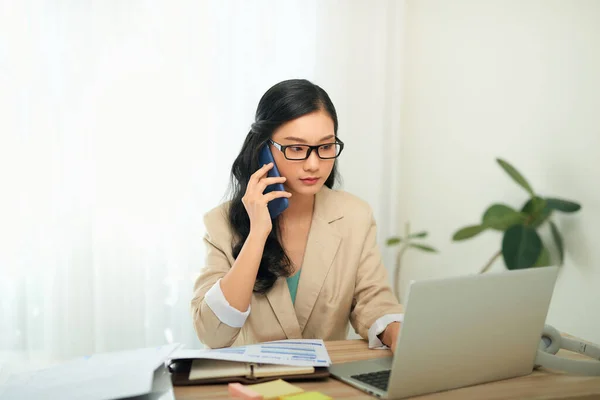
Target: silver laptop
<point x="460" y="331"/>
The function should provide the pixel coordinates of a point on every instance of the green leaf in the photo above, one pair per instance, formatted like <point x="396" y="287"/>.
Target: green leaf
<point x="516" y="175"/>
<point x="418" y="235"/>
<point x="468" y="232"/>
<point x="393" y="241"/>
<point x="501" y="217"/>
<point x="562" y="205"/>
<point x="544" y="259"/>
<point x="538" y="211"/>
<point x="521" y="247"/>
<point x="535" y="205"/>
<point x="559" y="242"/>
<point x="423" y="247"/>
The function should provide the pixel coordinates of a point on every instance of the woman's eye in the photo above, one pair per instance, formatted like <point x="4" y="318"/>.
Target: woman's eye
<point x="297" y="148"/>
<point x="326" y="147"/>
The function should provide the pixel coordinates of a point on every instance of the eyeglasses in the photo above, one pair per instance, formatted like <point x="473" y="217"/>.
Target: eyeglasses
<point x="297" y="152"/>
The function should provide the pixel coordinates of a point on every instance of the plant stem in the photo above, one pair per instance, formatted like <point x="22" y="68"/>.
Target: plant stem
<point x="397" y="272"/>
<point x="489" y="264"/>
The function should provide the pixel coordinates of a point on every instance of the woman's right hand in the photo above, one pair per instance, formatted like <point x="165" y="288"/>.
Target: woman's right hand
<point x="256" y="202"/>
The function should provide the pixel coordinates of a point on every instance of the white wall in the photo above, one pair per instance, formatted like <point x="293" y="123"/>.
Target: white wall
<point x="513" y="79"/>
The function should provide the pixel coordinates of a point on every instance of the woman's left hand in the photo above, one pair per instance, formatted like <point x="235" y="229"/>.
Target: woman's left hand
<point x="389" y="336"/>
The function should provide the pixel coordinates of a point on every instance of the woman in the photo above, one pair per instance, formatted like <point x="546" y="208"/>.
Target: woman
<point x="315" y="267"/>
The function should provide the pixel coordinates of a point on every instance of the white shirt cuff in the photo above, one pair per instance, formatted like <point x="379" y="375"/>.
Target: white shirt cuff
<point x="216" y="301"/>
<point x="379" y="326"/>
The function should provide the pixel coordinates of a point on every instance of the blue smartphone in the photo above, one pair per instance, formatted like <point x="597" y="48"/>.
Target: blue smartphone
<point x="277" y="205"/>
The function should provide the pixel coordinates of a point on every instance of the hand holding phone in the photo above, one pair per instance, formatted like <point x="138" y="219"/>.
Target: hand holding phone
<point x="278" y="204"/>
<point x="259" y="199"/>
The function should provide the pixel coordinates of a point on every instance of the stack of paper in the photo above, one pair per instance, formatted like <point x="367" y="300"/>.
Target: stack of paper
<point x="97" y="377"/>
<point x="299" y="352"/>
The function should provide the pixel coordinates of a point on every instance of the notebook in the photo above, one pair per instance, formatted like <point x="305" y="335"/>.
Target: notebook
<point x="290" y="359"/>
<point x="207" y="371"/>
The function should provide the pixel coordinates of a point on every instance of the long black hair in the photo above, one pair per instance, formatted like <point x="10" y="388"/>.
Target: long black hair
<point x="283" y="102"/>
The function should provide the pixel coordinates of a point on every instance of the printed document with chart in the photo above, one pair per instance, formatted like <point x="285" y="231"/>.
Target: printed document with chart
<point x="297" y="352"/>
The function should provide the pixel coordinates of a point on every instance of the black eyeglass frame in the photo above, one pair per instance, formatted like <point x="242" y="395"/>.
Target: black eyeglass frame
<point x="282" y="147"/>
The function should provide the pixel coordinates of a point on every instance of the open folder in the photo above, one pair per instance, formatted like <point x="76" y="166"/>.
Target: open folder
<point x="285" y="359"/>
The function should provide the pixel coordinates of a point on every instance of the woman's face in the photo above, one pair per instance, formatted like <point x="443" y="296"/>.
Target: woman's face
<point x="304" y="177"/>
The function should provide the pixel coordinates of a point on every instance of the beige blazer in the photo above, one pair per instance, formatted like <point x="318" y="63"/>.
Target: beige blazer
<point x="343" y="280"/>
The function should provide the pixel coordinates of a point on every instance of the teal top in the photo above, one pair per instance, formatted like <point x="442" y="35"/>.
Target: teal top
<point x="292" y="282"/>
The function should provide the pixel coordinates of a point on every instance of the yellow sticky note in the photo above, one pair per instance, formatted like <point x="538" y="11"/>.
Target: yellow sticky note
<point x="275" y="389"/>
<point x="307" y="396"/>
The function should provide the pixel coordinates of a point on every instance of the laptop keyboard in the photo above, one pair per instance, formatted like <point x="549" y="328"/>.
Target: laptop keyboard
<point x="378" y="379"/>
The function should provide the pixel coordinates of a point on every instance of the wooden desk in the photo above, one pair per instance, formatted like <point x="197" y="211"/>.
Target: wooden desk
<point x="539" y="384"/>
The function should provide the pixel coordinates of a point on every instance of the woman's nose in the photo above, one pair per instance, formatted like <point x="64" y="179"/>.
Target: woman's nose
<point x="312" y="162"/>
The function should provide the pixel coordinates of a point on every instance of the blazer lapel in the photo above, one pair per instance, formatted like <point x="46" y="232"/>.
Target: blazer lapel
<point x="321" y="249"/>
<point x="281" y="303"/>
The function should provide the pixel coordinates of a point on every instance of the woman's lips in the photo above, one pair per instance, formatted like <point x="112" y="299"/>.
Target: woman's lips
<point x="309" y="181"/>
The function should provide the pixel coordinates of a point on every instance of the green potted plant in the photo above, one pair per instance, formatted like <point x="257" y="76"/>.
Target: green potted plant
<point x="408" y="241"/>
<point x="522" y="246"/>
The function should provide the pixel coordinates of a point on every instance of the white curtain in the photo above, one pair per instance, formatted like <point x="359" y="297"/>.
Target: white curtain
<point x="119" y="121"/>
